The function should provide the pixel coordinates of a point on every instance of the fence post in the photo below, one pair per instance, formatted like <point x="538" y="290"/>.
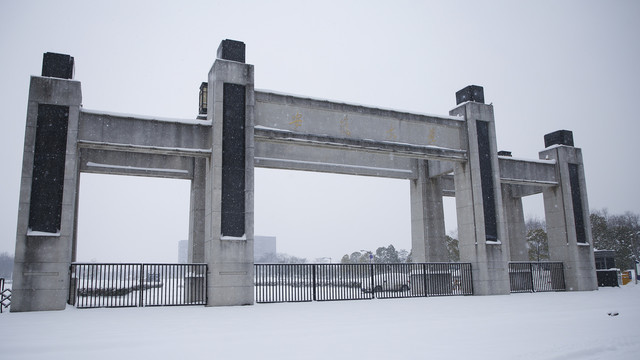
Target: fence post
<point x="206" y="281"/>
<point x="72" y="287"/>
<point x="533" y="284"/>
<point x="471" y="276"/>
<point x="314" y="281"/>
<point x="373" y="284"/>
<point x="141" y="286"/>
<point x="424" y="280"/>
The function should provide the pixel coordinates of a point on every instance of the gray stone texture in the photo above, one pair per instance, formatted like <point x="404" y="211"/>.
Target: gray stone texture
<point x="578" y="259"/>
<point x="488" y="259"/>
<point x="41" y="268"/>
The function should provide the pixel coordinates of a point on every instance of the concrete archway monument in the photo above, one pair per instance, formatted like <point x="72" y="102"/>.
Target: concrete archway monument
<point x="241" y="128"/>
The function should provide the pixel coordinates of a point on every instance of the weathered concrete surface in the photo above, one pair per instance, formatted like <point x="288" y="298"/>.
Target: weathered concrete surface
<point x="577" y="257"/>
<point x="516" y="230"/>
<point x="41" y="268"/>
<point x="230" y="259"/>
<point x="427" y="218"/>
<point x="488" y="258"/>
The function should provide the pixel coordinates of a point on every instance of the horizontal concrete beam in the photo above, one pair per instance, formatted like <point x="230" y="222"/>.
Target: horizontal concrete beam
<point x="322" y="117"/>
<point x="291" y="156"/>
<point x="374" y="146"/>
<point x="528" y="172"/>
<point x="144" y="134"/>
<point x="524" y="190"/>
<point x="345" y="169"/>
<point x="135" y="164"/>
<point x="525" y="177"/>
<point x="158" y="150"/>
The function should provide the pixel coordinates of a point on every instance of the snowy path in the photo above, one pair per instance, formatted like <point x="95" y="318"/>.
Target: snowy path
<point x="567" y="325"/>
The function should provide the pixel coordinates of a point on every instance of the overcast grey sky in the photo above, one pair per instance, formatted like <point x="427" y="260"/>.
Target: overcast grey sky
<point x="545" y="66"/>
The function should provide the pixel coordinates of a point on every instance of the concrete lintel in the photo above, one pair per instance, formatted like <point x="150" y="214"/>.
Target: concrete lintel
<point x="142" y="132"/>
<point x="519" y="190"/>
<point x="136" y="164"/>
<point x="159" y="150"/>
<point x="347" y="169"/>
<point x="529" y="182"/>
<point x="387" y="147"/>
<point x="267" y="96"/>
<point x="528" y="172"/>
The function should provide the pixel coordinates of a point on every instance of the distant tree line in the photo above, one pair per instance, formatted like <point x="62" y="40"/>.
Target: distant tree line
<point x="383" y="254"/>
<point x="279" y="258"/>
<point x="620" y="233"/>
<point x="389" y="254"/>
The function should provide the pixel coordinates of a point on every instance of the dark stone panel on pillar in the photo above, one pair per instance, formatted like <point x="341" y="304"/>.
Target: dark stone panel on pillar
<point x="560" y="137"/>
<point x="233" y="161"/>
<point x="47" y="183"/>
<point x="57" y="65"/>
<point x="486" y="179"/>
<point x="232" y="50"/>
<point x="576" y="199"/>
<point x="470" y="93"/>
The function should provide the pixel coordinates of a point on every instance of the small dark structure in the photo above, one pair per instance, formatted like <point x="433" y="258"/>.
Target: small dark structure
<point x="608" y="274"/>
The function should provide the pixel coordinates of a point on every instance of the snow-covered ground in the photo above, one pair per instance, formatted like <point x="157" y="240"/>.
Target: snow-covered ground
<point x="564" y="325"/>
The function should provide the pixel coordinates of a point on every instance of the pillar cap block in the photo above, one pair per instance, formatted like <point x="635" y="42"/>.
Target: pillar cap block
<point x="232" y="50"/>
<point x="560" y="137"/>
<point x="57" y="65"/>
<point x="470" y="93"/>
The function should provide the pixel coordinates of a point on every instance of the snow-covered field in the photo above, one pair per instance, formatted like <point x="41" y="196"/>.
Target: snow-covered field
<point x="564" y="325"/>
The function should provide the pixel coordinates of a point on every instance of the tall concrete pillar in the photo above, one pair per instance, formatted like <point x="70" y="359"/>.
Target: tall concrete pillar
<point x="427" y="218"/>
<point x="516" y="229"/>
<point x="567" y="213"/>
<point x="483" y="239"/>
<point x="229" y="234"/>
<point x="197" y="211"/>
<point x="45" y="236"/>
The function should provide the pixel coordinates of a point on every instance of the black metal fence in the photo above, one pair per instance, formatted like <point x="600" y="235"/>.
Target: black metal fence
<point x="131" y="285"/>
<point x="325" y="282"/>
<point x="5" y="296"/>
<point x="536" y="276"/>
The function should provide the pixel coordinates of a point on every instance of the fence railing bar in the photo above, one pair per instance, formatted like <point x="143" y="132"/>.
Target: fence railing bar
<point x="536" y="276"/>
<point x="327" y="282"/>
<point x="122" y="285"/>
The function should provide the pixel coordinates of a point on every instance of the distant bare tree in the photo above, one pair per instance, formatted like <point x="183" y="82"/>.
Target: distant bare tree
<point x="537" y="240"/>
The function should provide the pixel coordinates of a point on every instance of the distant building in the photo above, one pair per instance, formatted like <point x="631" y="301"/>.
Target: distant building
<point x="264" y="248"/>
<point x="183" y="251"/>
<point x="606" y="271"/>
